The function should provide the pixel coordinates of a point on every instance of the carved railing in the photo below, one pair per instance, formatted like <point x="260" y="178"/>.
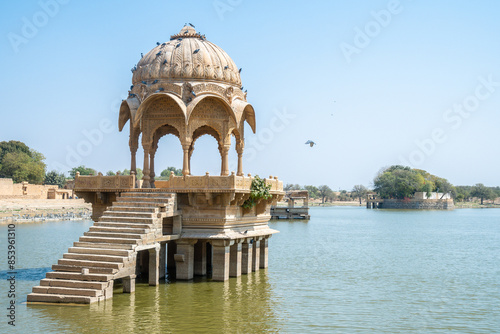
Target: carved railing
<point x="214" y="183"/>
<point x="104" y="183"/>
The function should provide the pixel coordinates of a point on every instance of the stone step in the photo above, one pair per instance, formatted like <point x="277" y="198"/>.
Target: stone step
<point x="67" y="291"/>
<point x="90" y="263"/>
<point x="95" y="257"/>
<point x="132" y="209"/>
<point x="50" y="298"/>
<point x="128" y="204"/>
<point x="122" y="225"/>
<point x="147" y="194"/>
<point x="128" y="214"/>
<point x="78" y="269"/>
<point x="100" y="251"/>
<point x="155" y="200"/>
<point x="114" y="229"/>
<point x="63" y="283"/>
<point x="105" y="240"/>
<point x="113" y="235"/>
<point x="79" y="276"/>
<point x="95" y="245"/>
<point x="126" y="220"/>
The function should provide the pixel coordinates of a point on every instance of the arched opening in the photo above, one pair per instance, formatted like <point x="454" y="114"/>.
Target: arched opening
<point x="208" y="152"/>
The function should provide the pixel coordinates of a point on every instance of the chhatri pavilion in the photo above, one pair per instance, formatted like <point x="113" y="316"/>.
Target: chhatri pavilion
<point x="186" y="226"/>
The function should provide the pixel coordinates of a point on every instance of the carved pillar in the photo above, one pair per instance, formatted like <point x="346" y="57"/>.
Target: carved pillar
<point x="191" y="149"/>
<point x="224" y="152"/>
<point x="239" y="150"/>
<point x="145" y="171"/>
<point x="133" y="166"/>
<point x="185" y="162"/>
<point x="152" y="168"/>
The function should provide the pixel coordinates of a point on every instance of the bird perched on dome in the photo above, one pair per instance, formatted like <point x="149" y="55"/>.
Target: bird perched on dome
<point x="311" y="143"/>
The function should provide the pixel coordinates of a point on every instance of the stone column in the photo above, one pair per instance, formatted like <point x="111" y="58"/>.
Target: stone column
<point x="163" y="258"/>
<point x="264" y="252"/>
<point x="129" y="284"/>
<point x="185" y="161"/>
<point x="224" y="151"/>
<point x="239" y="150"/>
<point x="256" y="255"/>
<point x="235" y="259"/>
<point x="220" y="259"/>
<point x="184" y="259"/>
<point x="246" y="256"/>
<point x="171" y="250"/>
<point x="152" y="168"/>
<point x="133" y="151"/>
<point x="154" y="265"/>
<point x="145" y="171"/>
<point x="200" y="258"/>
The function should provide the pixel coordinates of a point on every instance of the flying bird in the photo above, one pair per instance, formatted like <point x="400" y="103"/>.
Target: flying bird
<point x="196" y="51"/>
<point x="310" y="142"/>
<point x="191" y="25"/>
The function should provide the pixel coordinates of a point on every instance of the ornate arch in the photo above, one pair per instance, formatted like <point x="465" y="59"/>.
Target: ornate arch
<point x="160" y="111"/>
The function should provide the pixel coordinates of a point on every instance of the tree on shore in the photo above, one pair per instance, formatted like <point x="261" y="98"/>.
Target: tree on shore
<point x="165" y="174"/>
<point x="55" y="178"/>
<point x="289" y="187"/>
<point x="83" y="171"/>
<point x="403" y="182"/>
<point x="482" y="192"/>
<point x="324" y="191"/>
<point x="313" y="191"/>
<point x="359" y="191"/>
<point x="19" y="162"/>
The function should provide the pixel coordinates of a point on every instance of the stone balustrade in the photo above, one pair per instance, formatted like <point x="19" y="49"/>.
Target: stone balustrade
<point x="104" y="183"/>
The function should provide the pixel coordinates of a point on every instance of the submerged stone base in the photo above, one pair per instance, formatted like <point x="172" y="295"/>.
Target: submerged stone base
<point x="428" y="204"/>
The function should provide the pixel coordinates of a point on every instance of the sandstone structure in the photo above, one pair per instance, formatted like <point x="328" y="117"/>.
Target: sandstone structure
<point x="9" y="189"/>
<point x="420" y="201"/>
<point x="193" y="225"/>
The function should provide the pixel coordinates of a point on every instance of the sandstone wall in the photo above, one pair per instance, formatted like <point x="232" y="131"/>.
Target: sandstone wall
<point x="6" y="187"/>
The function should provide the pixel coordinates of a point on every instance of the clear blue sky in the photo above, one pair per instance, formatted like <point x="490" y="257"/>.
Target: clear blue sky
<point x="373" y="83"/>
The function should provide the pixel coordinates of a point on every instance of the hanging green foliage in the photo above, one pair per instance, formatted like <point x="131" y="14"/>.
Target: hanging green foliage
<point x="258" y="190"/>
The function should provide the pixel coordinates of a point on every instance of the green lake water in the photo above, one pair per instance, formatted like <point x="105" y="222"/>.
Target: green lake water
<point x="347" y="270"/>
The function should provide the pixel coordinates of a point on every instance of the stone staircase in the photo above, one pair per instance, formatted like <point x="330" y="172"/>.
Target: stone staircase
<point x="108" y="251"/>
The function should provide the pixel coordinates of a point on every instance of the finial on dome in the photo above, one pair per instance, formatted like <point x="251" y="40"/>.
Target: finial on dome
<point x="186" y="31"/>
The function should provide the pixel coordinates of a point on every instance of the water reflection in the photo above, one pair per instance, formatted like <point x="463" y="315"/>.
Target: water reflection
<point x="244" y="304"/>
<point x="28" y="274"/>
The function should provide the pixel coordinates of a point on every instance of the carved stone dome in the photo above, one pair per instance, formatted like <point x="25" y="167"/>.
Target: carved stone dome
<point x="188" y="56"/>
